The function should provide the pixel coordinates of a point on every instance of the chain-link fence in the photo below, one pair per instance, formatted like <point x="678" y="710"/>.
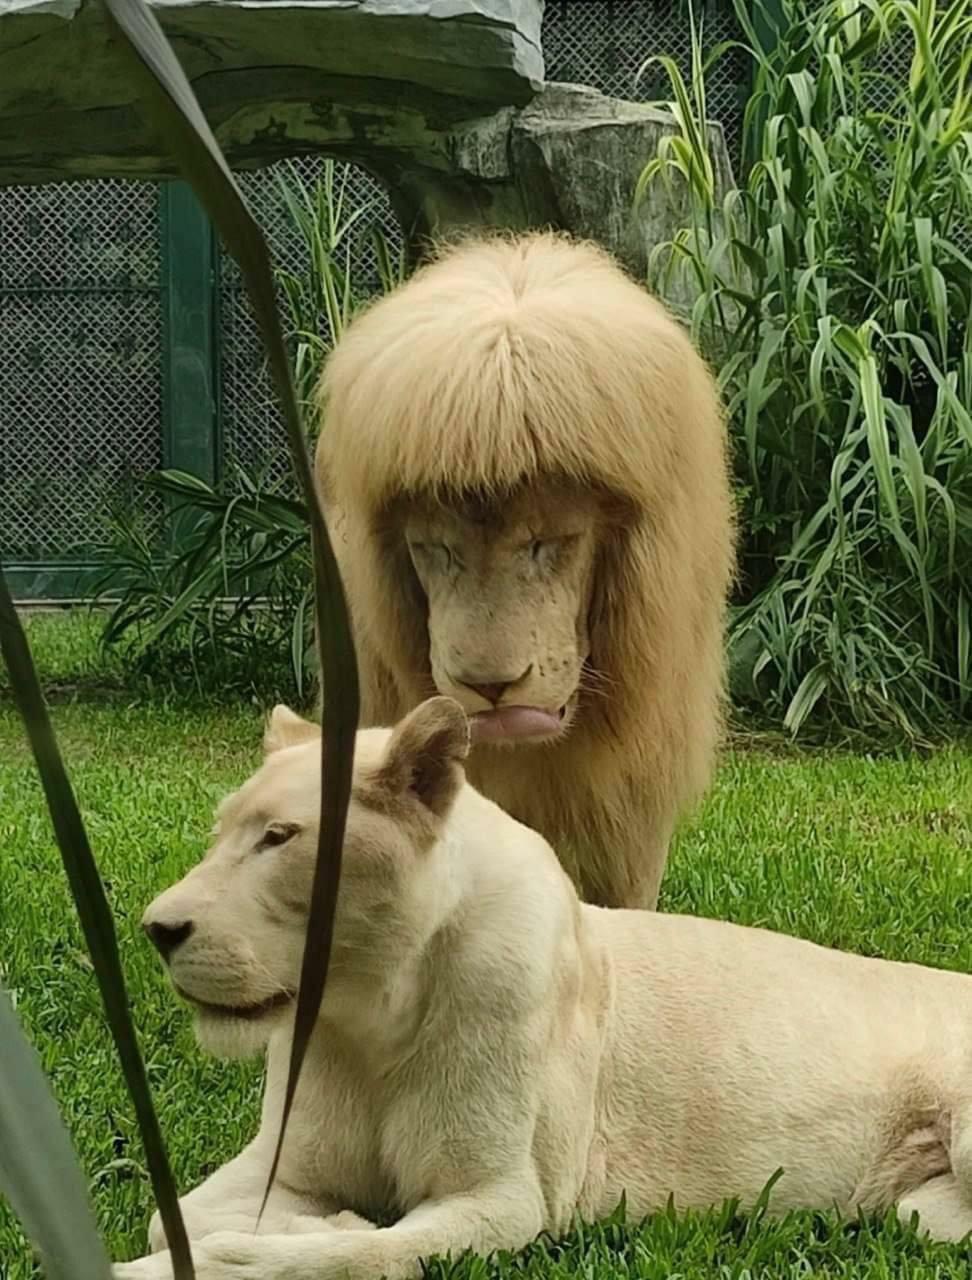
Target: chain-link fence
<point x="80" y="376"/>
<point x="609" y="44"/>
<point x="81" y="304"/>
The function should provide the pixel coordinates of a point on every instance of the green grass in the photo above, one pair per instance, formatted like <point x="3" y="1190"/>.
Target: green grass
<point x="869" y="854"/>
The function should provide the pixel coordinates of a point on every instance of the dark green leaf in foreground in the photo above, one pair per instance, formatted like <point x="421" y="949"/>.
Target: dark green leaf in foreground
<point x="94" y="913"/>
<point x="173" y="109"/>
<point x="39" y="1173"/>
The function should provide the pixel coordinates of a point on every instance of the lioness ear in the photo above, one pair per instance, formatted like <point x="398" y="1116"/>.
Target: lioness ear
<point x="425" y="754"/>
<point x="285" y="728"/>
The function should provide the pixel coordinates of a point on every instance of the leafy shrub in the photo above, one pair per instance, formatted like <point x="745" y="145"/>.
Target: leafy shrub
<point x="834" y="294"/>
<point x="349" y="259"/>
<point x="226" y="601"/>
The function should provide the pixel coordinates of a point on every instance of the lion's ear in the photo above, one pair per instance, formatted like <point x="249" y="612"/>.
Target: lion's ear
<point x="425" y="754"/>
<point x="285" y="728"/>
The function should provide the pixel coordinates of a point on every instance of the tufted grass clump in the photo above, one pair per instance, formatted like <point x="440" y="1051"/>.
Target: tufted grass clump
<point x="834" y="294"/>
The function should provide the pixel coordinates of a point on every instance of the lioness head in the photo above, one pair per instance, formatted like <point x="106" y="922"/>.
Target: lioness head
<point x="232" y="930"/>
<point x="508" y="583"/>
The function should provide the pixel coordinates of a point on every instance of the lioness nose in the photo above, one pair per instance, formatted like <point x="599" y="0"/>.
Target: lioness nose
<point x="166" y="937"/>
<point x="490" y="687"/>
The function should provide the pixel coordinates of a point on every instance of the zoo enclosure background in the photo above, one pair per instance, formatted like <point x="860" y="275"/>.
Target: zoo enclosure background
<point x="128" y="342"/>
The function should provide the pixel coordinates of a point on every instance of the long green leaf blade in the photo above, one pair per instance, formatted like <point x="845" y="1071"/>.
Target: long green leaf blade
<point x="93" y="912"/>
<point x="171" y="104"/>
<point x="39" y="1172"/>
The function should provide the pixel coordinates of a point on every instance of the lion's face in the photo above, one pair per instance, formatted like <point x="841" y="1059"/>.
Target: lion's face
<point x="508" y="586"/>
<point x="232" y="930"/>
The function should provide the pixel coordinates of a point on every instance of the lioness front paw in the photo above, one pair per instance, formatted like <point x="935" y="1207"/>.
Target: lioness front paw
<point x="225" y="1255"/>
<point x="154" y="1266"/>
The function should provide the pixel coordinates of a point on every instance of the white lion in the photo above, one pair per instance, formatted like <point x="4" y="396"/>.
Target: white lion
<point x="493" y="1057"/>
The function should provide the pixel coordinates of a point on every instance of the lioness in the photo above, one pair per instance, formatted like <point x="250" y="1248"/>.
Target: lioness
<point x="493" y="1057"/>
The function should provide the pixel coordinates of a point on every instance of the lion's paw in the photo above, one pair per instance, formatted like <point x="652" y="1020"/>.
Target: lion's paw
<point x="155" y="1266"/>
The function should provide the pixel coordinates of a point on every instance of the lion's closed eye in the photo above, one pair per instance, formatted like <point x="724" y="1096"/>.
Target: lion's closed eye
<point x="278" y="833"/>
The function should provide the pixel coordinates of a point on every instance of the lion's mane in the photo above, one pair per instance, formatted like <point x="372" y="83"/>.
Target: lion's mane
<point x="503" y="361"/>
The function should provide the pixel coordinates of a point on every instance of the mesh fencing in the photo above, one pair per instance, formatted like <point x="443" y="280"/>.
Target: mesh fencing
<point x="80" y="377"/>
<point x="607" y="43"/>
<point x="81" y="304"/>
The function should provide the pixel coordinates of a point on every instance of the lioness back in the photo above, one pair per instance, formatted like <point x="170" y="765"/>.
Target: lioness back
<point x="716" y="1026"/>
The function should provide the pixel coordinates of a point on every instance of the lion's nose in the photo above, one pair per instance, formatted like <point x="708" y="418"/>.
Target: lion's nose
<point x="491" y="688"/>
<point x="166" y="937"/>
<point x="491" y="692"/>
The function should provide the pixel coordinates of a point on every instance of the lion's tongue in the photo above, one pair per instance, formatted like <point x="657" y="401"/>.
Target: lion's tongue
<point x="513" y="722"/>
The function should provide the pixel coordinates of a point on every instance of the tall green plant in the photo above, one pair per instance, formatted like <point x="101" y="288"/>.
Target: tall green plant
<point x="172" y="106"/>
<point x="229" y="603"/>
<point x="325" y="293"/>
<point x="98" y="927"/>
<point x="38" y="1167"/>
<point x="834" y="292"/>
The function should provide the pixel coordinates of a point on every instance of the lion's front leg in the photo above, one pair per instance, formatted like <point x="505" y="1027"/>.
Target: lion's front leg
<point x="230" y="1199"/>
<point x="627" y="870"/>
<point x="506" y="1215"/>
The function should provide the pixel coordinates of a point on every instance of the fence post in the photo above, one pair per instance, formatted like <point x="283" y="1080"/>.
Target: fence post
<point x="190" y="439"/>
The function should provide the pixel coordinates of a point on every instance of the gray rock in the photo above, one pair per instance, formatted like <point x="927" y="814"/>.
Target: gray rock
<point x="274" y="77"/>
<point x="443" y="100"/>
<point x="580" y="154"/>
<point x="571" y="159"/>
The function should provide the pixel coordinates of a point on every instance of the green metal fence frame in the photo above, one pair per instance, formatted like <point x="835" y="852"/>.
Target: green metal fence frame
<point x="189" y="352"/>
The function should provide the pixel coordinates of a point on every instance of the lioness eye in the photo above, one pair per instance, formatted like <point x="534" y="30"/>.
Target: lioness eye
<point x="278" y="833"/>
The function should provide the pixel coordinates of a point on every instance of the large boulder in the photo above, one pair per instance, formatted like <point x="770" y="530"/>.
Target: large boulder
<point x="443" y="100"/>
<point x="386" y="79"/>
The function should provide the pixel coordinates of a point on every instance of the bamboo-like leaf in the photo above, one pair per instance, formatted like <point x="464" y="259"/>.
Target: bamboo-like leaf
<point x="811" y="690"/>
<point x="94" y="914"/>
<point x="854" y="211"/>
<point x="39" y="1172"/>
<point x="964" y="650"/>
<point x="172" y="107"/>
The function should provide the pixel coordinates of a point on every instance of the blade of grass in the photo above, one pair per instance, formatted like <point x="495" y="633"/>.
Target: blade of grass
<point x="172" y="106"/>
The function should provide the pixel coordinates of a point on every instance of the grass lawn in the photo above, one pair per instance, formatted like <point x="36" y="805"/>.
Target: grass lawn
<point x="868" y="854"/>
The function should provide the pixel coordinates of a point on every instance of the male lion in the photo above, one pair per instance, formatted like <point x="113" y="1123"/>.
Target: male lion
<point x="523" y="462"/>
<point x="492" y="1057"/>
